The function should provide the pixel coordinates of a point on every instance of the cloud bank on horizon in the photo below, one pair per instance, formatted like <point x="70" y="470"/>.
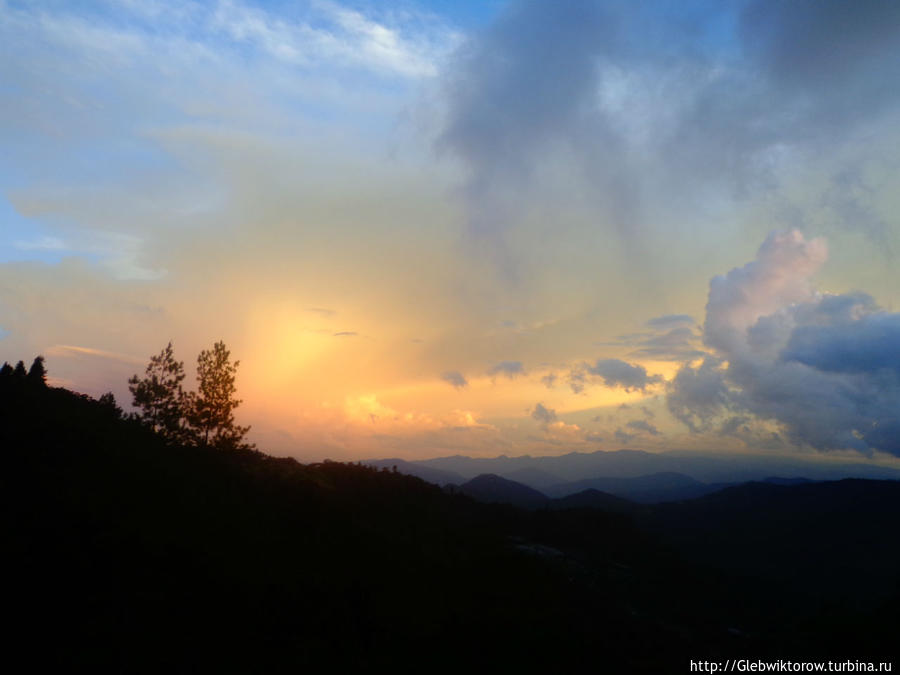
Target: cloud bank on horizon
<point x="412" y="223"/>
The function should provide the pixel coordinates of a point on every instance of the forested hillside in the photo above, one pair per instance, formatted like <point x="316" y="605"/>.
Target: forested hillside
<point x="130" y="554"/>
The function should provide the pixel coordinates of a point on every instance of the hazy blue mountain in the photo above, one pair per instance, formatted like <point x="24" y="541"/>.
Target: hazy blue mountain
<point x="493" y="489"/>
<point x="702" y="467"/>
<point x="778" y="480"/>
<point x="650" y="489"/>
<point x="640" y="476"/>
<point x="572" y="466"/>
<point x="594" y="499"/>
<point x="532" y="477"/>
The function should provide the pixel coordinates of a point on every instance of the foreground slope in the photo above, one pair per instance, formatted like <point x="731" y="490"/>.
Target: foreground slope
<point x="129" y="555"/>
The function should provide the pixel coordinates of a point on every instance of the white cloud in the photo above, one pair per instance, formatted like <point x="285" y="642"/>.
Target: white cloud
<point x="824" y="367"/>
<point x="44" y="243"/>
<point x="339" y="36"/>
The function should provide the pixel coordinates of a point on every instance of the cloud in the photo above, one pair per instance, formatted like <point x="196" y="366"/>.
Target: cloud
<point x="780" y="275"/>
<point x="679" y="343"/>
<point x="324" y="312"/>
<point x="670" y="321"/>
<point x="644" y="426"/>
<point x="566" y="432"/>
<point x="511" y="369"/>
<point x="513" y="89"/>
<point x="852" y="199"/>
<point x="656" y="108"/>
<point x="820" y="47"/>
<point x="823" y="367"/>
<point x="549" y="380"/>
<point x="44" y="243"/>
<point x="865" y="345"/>
<point x="697" y="395"/>
<point x="542" y="415"/>
<point x="623" y="437"/>
<point x="455" y="379"/>
<point x="345" y="333"/>
<point x="613" y="373"/>
<point x="334" y="34"/>
<point x="672" y="337"/>
<point x="618" y="373"/>
<point x="577" y="378"/>
<point x="734" y="424"/>
<point x="76" y="351"/>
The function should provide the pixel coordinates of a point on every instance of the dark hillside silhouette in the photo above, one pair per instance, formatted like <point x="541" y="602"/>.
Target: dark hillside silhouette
<point x="131" y="553"/>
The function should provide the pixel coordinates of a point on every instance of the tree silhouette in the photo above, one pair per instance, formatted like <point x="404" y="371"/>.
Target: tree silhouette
<point x="160" y="397"/>
<point x="6" y="372"/>
<point x="108" y="403"/>
<point x="20" y="373"/>
<point x="212" y="407"/>
<point x="37" y="374"/>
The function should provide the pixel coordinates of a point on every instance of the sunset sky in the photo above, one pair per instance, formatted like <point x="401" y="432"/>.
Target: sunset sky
<point x="429" y="228"/>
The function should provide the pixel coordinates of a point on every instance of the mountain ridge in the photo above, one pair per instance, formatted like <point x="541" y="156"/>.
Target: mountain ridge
<point x="711" y="469"/>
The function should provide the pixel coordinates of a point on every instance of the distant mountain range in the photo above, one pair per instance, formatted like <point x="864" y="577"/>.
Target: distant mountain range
<point x="623" y="495"/>
<point x="638" y="476"/>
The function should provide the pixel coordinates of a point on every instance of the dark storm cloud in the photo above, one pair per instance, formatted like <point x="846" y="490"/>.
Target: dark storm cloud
<point x="659" y="105"/>
<point x="515" y="89"/>
<point x="823" y="45"/>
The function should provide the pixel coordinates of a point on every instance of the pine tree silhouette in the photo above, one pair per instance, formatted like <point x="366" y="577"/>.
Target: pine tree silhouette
<point x="37" y="374"/>
<point x="212" y="407"/>
<point x="160" y="397"/>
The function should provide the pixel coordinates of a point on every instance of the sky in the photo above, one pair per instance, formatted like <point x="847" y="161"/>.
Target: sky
<point x="483" y="228"/>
